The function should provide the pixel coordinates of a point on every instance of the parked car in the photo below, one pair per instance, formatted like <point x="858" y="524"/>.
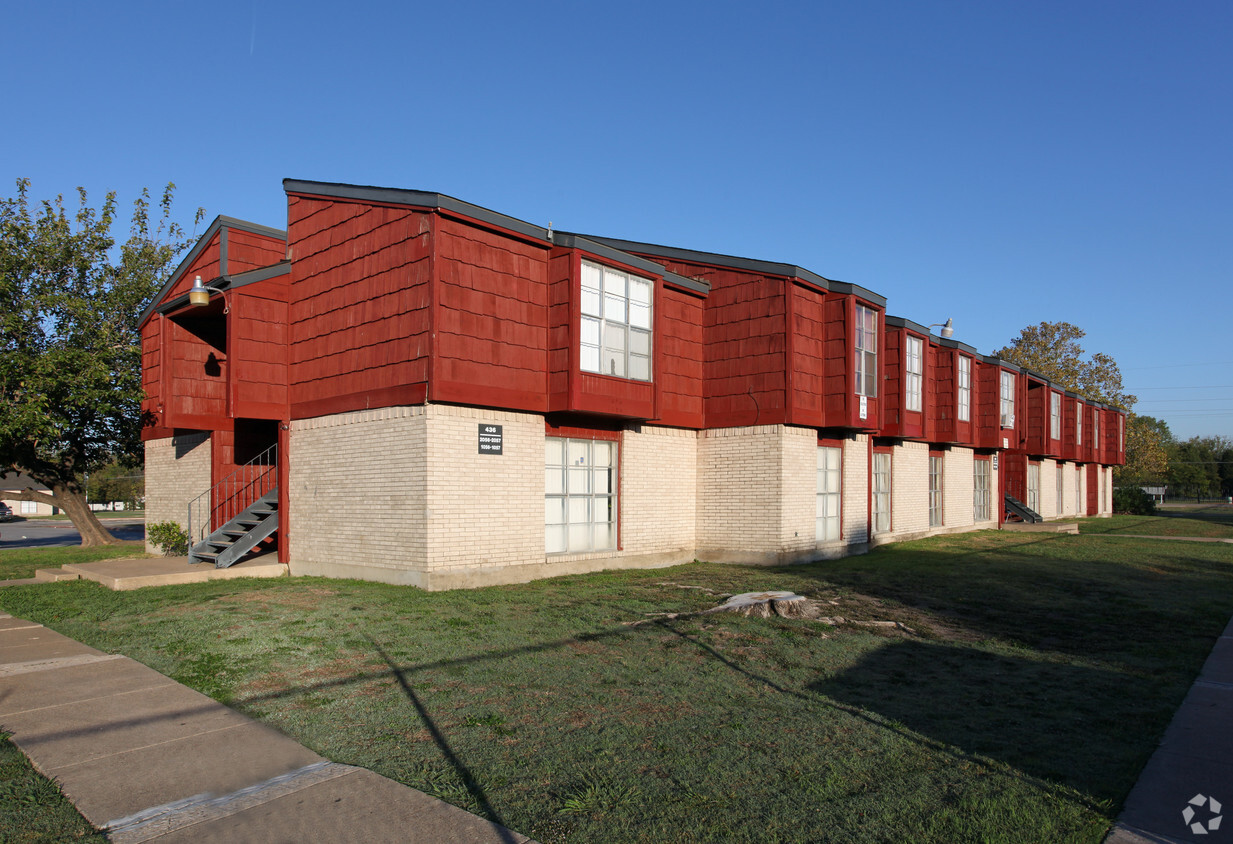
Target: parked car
<point x="6" y="512"/>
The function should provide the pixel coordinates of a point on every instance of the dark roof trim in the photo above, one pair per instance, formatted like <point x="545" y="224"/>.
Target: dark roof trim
<point x="693" y="256"/>
<point x="858" y="291"/>
<point x="221" y="223"/>
<point x="900" y="322"/>
<point x="416" y="198"/>
<point x="692" y="284"/>
<point x="1005" y="364"/>
<point x="602" y="250"/>
<point x="231" y="282"/>
<point x="955" y="344"/>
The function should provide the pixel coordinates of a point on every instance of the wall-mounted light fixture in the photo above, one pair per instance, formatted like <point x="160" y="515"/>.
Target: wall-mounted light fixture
<point x="199" y="295"/>
<point x="948" y="328"/>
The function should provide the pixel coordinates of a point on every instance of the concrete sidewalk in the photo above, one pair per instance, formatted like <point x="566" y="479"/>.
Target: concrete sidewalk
<point x="1185" y="792"/>
<point x="147" y="759"/>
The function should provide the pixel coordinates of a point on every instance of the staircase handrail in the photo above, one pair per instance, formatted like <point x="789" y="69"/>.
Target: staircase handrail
<point x="247" y="483"/>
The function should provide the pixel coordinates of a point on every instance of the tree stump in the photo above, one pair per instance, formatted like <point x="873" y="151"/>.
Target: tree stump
<point x="767" y="604"/>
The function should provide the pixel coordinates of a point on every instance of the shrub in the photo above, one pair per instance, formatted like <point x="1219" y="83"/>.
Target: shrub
<point x="1134" y="501"/>
<point x="169" y="537"/>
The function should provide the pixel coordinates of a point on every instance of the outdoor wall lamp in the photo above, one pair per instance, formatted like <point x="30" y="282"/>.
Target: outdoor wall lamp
<point x="199" y="295"/>
<point x="948" y="329"/>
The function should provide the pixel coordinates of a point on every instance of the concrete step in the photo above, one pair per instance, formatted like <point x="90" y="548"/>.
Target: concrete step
<point x="55" y="575"/>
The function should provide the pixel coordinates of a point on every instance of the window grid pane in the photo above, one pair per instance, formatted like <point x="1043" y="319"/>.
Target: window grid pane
<point x="965" y="389"/>
<point x="579" y="495"/>
<point x="866" y="352"/>
<point x="980" y="486"/>
<point x="615" y="337"/>
<point x="935" y="491"/>
<point x="828" y="494"/>
<point x="914" y="374"/>
<point x="881" y="493"/>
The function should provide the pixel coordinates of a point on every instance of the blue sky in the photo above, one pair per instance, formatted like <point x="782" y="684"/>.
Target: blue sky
<point x="998" y="163"/>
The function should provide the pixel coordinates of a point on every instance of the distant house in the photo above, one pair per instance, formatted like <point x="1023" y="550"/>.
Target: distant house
<point x="406" y="387"/>
<point x="13" y="483"/>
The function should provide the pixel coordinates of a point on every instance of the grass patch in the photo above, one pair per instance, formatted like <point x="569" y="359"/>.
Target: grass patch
<point x="1043" y="671"/>
<point x="32" y="809"/>
<point x="22" y="562"/>
<point x="1214" y="521"/>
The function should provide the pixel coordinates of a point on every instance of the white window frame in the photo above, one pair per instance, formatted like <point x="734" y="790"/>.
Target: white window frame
<point x="617" y="323"/>
<point x="580" y="495"/>
<point x="866" y="344"/>
<point x="913" y="373"/>
<point x="882" y="480"/>
<point x="1078" y="423"/>
<point x="1080" y="504"/>
<point x="982" y="482"/>
<point x="1007" y="405"/>
<point x="1033" y="487"/>
<point x="964" y="410"/>
<point x="1095" y="429"/>
<point x="29" y="508"/>
<point x="1055" y="416"/>
<point x="1059" y="475"/>
<point x="937" y="467"/>
<point x="827" y="526"/>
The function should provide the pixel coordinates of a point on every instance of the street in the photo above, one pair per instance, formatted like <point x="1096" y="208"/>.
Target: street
<point x="49" y="533"/>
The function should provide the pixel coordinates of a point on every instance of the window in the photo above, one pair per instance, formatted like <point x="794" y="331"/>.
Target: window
<point x="913" y="374"/>
<point x="1055" y="416"/>
<point x="1033" y="487"/>
<point x="881" y="492"/>
<point x="1078" y="488"/>
<point x="1078" y="423"/>
<point x="866" y="351"/>
<point x="829" y="486"/>
<point x="1059" y="475"/>
<point x="1008" y="399"/>
<point x="616" y="323"/>
<point x="1121" y="433"/>
<point x="29" y="507"/>
<point x="1096" y="429"/>
<point x="580" y="495"/>
<point x="935" y="491"/>
<point x="965" y="388"/>
<point x="981" y="483"/>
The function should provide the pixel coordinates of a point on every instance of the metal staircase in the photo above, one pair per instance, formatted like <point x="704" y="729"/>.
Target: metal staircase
<point x="1017" y="509"/>
<point x="232" y="541"/>
<point x="235" y="515"/>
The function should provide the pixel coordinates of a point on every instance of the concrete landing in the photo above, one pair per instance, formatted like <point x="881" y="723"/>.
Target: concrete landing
<point x="133" y="573"/>
<point x="1042" y="527"/>
<point x="146" y="759"/>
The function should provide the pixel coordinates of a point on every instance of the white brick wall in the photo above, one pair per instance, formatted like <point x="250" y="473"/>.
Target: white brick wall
<point x="177" y="471"/>
<point x="659" y="483"/>
<point x="958" y="480"/>
<point x="909" y="491"/>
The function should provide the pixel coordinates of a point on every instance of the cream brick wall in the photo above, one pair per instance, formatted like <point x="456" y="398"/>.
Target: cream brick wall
<point x="177" y="471"/>
<point x="1048" y="489"/>
<point x="358" y="493"/>
<point x="484" y="510"/>
<point x="909" y="492"/>
<point x="958" y="480"/>
<point x="757" y="492"/>
<point x="855" y="495"/>
<point x="658" y="496"/>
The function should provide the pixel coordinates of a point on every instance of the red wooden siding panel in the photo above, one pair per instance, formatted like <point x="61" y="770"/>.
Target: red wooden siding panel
<point x="891" y="384"/>
<point x="359" y="302"/>
<point x="1036" y="417"/>
<point x="943" y="395"/>
<point x="492" y="320"/>
<point x="251" y="251"/>
<point x="259" y="349"/>
<point x="196" y="384"/>
<point x="678" y="350"/>
<point x="808" y="364"/>
<point x="205" y="265"/>
<point x="562" y="331"/>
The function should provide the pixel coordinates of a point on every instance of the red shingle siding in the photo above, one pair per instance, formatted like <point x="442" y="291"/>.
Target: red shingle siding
<point x="679" y="355"/>
<point x="250" y="251"/>
<point x="808" y="364"/>
<point x="359" y="312"/>
<point x="205" y="265"/>
<point x="259" y="343"/>
<point x="491" y="342"/>
<point x="198" y="383"/>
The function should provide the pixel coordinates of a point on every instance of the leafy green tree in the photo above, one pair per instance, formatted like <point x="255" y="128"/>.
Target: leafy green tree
<point x="70" y="347"/>
<point x="1052" y="349"/>
<point x="1202" y="467"/>
<point x="1148" y="443"/>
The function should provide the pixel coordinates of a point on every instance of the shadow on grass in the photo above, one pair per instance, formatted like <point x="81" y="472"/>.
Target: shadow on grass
<point x="1047" y="720"/>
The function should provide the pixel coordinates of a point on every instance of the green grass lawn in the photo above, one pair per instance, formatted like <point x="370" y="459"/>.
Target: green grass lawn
<point x="22" y="562"/>
<point x="1210" y="521"/>
<point x="32" y="809"/>
<point x="1041" y="672"/>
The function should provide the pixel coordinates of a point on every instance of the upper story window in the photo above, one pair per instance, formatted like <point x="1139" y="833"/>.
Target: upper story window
<point x="965" y="388"/>
<point x="616" y="323"/>
<point x="1055" y="416"/>
<point x="1008" y="399"/>
<point x="866" y="351"/>
<point x="1078" y="423"/>
<point x="1095" y="428"/>
<point x="913" y="374"/>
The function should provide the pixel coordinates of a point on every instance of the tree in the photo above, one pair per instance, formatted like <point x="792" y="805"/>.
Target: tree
<point x="1148" y="442"/>
<point x="70" y="346"/>
<point x="1052" y="349"/>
